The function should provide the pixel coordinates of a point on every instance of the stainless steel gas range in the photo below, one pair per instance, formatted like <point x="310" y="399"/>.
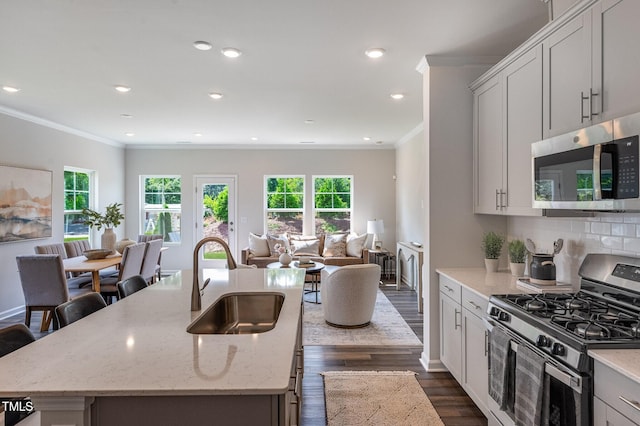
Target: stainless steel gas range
<point x="552" y="333"/>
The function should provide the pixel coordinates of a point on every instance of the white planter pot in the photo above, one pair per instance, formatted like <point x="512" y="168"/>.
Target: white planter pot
<point x="285" y="259"/>
<point x="108" y="240"/>
<point x="491" y="265"/>
<point x="517" y="269"/>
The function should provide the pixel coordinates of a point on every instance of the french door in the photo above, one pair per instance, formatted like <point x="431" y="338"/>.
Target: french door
<point x="215" y="217"/>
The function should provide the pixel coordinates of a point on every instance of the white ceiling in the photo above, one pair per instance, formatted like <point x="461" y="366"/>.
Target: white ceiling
<point x="302" y="60"/>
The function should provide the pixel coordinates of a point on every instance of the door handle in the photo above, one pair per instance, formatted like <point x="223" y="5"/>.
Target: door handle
<point x="591" y="96"/>
<point x="582" y="116"/>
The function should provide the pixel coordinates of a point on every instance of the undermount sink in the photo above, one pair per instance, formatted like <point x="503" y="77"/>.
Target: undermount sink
<point x="240" y="313"/>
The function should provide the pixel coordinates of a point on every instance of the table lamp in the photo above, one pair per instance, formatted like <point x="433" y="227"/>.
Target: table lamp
<point x="375" y="227"/>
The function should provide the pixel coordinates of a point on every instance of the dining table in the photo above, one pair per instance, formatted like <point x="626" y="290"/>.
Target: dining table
<point x="82" y="264"/>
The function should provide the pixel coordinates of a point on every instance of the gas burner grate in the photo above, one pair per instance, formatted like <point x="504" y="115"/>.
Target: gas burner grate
<point x="600" y="326"/>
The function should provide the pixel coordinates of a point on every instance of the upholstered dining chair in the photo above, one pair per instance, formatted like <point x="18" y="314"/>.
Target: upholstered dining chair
<point x="150" y="261"/>
<point x="145" y="238"/>
<point x="79" y="307"/>
<point x="130" y="265"/>
<point x="131" y="285"/>
<point x="56" y="248"/>
<point x="78" y="279"/>
<point x="13" y="338"/>
<point x="76" y="248"/>
<point x="44" y="285"/>
<point x="349" y="294"/>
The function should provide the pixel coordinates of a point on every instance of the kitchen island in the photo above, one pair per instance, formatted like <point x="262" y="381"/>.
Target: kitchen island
<point x="134" y="362"/>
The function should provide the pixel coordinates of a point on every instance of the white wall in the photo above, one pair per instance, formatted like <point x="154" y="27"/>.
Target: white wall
<point x="452" y="231"/>
<point x="373" y="171"/>
<point x="410" y="180"/>
<point x="25" y="144"/>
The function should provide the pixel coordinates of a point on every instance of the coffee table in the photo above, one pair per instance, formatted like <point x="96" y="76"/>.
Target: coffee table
<point x="312" y="271"/>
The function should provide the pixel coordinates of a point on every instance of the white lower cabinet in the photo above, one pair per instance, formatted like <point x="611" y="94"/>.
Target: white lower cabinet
<point x="464" y="339"/>
<point x="617" y="398"/>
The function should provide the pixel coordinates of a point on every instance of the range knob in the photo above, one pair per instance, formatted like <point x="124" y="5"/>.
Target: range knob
<point x="543" y="341"/>
<point x="558" y="349"/>
<point x="503" y="316"/>
<point x="494" y="311"/>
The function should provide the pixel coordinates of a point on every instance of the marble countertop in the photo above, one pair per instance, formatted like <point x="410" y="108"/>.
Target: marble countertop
<point x="478" y="280"/>
<point x="139" y="345"/>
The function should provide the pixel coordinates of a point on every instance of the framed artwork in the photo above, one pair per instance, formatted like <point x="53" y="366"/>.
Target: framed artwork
<point x="25" y="204"/>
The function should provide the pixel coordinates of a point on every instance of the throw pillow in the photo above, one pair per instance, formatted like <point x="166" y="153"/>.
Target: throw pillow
<point x="355" y="244"/>
<point x="308" y="247"/>
<point x="258" y="245"/>
<point x="335" y="245"/>
<point x="272" y="240"/>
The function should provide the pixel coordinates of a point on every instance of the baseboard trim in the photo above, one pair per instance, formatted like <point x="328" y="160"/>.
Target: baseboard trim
<point x="432" y="366"/>
<point x="11" y="312"/>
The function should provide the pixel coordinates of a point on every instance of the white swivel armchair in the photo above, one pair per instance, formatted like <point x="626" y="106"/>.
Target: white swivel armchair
<point x="349" y="294"/>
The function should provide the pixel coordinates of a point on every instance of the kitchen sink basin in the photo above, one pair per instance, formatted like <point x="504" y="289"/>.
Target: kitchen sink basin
<point x="240" y="313"/>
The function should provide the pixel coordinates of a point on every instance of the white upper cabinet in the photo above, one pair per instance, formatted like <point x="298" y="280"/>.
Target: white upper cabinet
<point x="589" y="67"/>
<point x="567" y="77"/>
<point x="616" y="58"/>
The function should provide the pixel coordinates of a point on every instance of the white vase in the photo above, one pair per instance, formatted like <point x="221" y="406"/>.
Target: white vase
<point x="285" y="259"/>
<point x="108" y="240"/>
<point x="491" y="265"/>
<point x="517" y="269"/>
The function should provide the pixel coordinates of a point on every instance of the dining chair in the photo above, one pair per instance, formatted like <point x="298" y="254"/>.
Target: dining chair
<point x="13" y="338"/>
<point x="130" y="265"/>
<point x="150" y="261"/>
<point x="44" y="285"/>
<point x="144" y="238"/>
<point x="77" y="279"/>
<point x="56" y="248"/>
<point x="76" y="248"/>
<point x="78" y="308"/>
<point x="131" y="285"/>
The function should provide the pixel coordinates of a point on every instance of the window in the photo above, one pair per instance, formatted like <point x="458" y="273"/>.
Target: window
<point x="332" y="203"/>
<point x="285" y="204"/>
<point x="162" y="207"/>
<point x="77" y="196"/>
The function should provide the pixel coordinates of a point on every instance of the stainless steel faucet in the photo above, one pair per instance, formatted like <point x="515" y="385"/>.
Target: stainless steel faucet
<point x="196" y="295"/>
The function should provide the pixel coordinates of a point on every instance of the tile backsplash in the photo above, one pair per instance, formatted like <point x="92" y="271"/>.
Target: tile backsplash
<point x="616" y="233"/>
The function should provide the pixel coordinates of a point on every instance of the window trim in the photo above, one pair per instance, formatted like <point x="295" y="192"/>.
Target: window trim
<point x="266" y="208"/>
<point x="93" y="196"/>
<point x="337" y="210"/>
<point x="143" y="210"/>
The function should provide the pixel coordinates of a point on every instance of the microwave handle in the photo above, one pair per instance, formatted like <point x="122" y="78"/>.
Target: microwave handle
<point x="597" y="184"/>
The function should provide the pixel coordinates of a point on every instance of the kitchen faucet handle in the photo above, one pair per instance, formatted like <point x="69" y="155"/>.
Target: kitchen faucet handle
<point x="206" y="283"/>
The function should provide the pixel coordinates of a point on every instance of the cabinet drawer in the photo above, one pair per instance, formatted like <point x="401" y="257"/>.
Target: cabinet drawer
<point x="450" y="288"/>
<point x="617" y="391"/>
<point x="474" y="303"/>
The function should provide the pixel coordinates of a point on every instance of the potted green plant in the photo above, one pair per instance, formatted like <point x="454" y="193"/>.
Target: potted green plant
<point x="492" y="246"/>
<point x="517" y="257"/>
<point x="110" y="219"/>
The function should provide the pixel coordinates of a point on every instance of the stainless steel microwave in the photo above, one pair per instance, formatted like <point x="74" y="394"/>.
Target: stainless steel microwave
<point x="595" y="168"/>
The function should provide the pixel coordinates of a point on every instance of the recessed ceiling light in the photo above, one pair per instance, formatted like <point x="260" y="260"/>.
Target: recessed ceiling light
<point x="397" y="96"/>
<point x="374" y="53"/>
<point x="307" y="142"/>
<point x="216" y="95"/>
<point x="202" y="45"/>
<point x="309" y="121"/>
<point x="122" y="89"/>
<point x="254" y="138"/>
<point x="366" y="138"/>
<point x="10" y="89"/>
<point x="126" y="115"/>
<point x="379" y="142"/>
<point x="231" y="52"/>
<point x="183" y="142"/>
<point x="129" y="134"/>
<point x="197" y="135"/>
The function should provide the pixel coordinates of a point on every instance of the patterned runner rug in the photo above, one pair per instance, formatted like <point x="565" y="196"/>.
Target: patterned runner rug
<point x="377" y="398"/>
<point x="387" y="328"/>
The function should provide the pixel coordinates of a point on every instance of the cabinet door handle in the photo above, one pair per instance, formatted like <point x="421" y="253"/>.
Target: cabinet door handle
<point x="449" y="289"/>
<point x="582" y="116"/>
<point x="455" y="319"/>
<point x="634" y="404"/>
<point x="474" y="304"/>
<point x="497" y="202"/>
<point x="503" y="195"/>
<point x="486" y="343"/>
<point x="591" y="96"/>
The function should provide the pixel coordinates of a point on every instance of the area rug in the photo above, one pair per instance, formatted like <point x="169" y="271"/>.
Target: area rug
<point x="376" y="398"/>
<point x="387" y="328"/>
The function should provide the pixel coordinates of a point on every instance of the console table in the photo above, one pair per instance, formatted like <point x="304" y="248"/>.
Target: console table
<point x="412" y="256"/>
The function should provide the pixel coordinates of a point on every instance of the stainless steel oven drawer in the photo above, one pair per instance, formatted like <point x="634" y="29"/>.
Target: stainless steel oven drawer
<point x="617" y="391"/>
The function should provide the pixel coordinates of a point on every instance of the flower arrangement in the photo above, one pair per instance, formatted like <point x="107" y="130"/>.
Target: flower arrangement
<point x="111" y="219"/>
<point x="280" y="249"/>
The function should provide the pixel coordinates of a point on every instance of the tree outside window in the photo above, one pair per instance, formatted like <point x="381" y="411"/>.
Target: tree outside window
<point x="285" y="204"/>
<point x="77" y="196"/>
<point x="332" y="204"/>
<point x="162" y="207"/>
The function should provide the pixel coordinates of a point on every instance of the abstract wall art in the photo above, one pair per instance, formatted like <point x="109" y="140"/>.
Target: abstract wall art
<point x="25" y="204"/>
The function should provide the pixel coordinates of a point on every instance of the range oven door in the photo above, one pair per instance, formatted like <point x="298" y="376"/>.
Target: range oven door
<point x="567" y="396"/>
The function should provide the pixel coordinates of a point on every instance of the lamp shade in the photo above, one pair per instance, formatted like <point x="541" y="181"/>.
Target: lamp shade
<point x="375" y="226"/>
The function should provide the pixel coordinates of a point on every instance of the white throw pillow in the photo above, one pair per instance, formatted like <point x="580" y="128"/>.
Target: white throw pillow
<point x="310" y="247"/>
<point x="335" y="245"/>
<point x="355" y="244"/>
<point x="273" y="240"/>
<point x="258" y="245"/>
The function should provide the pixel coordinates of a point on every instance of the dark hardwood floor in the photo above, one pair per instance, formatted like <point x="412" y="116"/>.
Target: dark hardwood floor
<point x="450" y="401"/>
